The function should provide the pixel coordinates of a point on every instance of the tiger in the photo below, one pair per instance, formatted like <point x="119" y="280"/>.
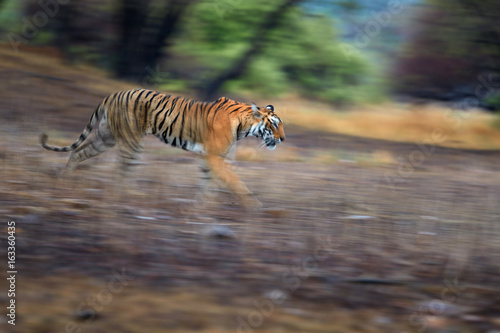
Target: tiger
<point x="209" y="129"/>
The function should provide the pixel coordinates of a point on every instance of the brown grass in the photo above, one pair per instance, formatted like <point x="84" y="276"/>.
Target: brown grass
<point x="398" y="122"/>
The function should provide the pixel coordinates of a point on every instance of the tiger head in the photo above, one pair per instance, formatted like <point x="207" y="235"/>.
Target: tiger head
<point x="268" y="126"/>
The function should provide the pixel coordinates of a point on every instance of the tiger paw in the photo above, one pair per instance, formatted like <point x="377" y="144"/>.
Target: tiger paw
<point x="204" y="200"/>
<point x="251" y="202"/>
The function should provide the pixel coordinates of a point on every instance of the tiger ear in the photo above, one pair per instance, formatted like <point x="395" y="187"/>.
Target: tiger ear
<point x="270" y="107"/>
<point x="256" y="112"/>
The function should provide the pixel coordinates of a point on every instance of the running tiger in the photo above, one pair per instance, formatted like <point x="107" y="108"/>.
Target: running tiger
<point x="208" y="128"/>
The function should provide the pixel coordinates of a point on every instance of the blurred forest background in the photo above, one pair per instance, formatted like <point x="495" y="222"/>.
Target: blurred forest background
<point x="336" y="51"/>
<point x="380" y="209"/>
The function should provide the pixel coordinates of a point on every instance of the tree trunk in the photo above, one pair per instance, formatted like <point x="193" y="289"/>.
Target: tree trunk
<point x="257" y="44"/>
<point x="143" y="39"/>
<point x="133" y="18"/>
<point x="153" y="50"/>
<point x="64" y="31"/>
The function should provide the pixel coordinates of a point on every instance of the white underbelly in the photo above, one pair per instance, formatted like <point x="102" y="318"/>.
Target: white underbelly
<point x="196" y="148"/>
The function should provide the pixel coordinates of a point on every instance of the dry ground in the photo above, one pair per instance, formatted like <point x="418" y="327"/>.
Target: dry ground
<point x="356" y="234"/>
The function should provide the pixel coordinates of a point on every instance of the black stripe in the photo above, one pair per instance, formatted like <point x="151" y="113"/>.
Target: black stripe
<point x="115" y="100"/>
<point x="155" y="128"/>
<point x="238" y="130"/>
<point x="211" y="108"/>
<point x="218" y="108"/>
<point x="147" y="106"/>
<point x="172" y="124"/>
<point x="221" y="105"/>
<point x="174" y="143"/>
<point x="198" y="115"/>
<point x="173" y="103"/>
<point x="182" y="123"/>
<point x="168" y="112"/>
<point x="135" y="111"/>
<point x="125" y="126"/>
<point x="120" y="98"/>
<point x="125" y="100"/>
<point x="137" y="99"/>
<point x="237" y="109"/>
<point x="80" y="138"/>
<point x="193" y="120"/>
<point x="149" y="93"/>
<point x="196" y="111"/>
<point x="114" y="105"/>
<point x="148" y="102"/>
<point x="106" y="100"/>
<point x="164" y="101"/>
<point x="164" y="135"/>
<point x="162" y="122"/>
<point x="92" y="144"/>
<point x="119" y="95"/>
<point x="126" y="97"/>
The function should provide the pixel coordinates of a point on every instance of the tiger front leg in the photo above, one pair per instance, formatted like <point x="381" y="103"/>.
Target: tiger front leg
<point x="129" y="152"/>
<point x="204" y="197"/>
<point x="220" y="169"/>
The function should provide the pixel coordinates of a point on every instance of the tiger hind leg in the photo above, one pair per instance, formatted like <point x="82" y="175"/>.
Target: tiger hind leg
<point x="95" y="144"/>
<point x="126" y="186"/>
<point x="129" y="153"/>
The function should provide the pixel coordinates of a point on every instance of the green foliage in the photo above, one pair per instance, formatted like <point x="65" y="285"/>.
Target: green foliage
<point x="216" y="33"/>
<point x="10" y="17"/>
<point x="493" y="101"/>
<point x="303" y="55"/>
<point x="10" y="14"/>
<point x="313" y="61"/>
<point x="264" y="77"/>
